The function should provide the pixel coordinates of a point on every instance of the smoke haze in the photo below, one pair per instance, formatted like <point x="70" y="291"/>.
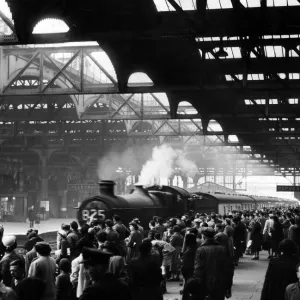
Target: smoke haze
<point x="132" y="158"/>
<point x="163" y="163"/>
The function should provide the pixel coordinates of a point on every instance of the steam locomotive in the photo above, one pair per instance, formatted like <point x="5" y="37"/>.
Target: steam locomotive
<point x="164" y="201"/>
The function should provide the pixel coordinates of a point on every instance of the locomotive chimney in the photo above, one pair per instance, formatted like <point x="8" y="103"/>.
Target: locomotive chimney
<point x="107" y="188"/>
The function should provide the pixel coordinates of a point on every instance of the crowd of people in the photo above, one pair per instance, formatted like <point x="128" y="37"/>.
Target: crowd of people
<point x="108" y="260"/>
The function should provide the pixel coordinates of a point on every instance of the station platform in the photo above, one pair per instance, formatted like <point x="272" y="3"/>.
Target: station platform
<point x="47" y="230"/>
<point x="248" y="280"/>
<point x="19" y="228"/>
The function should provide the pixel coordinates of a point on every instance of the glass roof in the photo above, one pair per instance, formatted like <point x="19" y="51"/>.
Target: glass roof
<point x="258" y="77"/>
<point x="5" y="9"/>
<point x="262" y="102"/>
<point x="235" y="52"/>
<point x="164" y="5"/>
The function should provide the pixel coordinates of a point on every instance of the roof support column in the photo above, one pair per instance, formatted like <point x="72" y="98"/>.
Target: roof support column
<point x="44" y="156"/>
<point x="3" y="67"/>
<point x="267" y="107"/>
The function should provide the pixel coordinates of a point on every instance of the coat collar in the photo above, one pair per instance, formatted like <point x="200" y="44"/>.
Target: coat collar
<point x="210" y="241"/>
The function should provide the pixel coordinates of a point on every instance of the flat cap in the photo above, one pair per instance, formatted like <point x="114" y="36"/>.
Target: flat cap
<point x="8" y="240"/>
<point x="42" y="248"/>
<point x="95" y="256"/>
<point x="208" y="231"/>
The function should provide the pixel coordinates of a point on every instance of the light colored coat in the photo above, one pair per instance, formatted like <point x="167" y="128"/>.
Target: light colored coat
<point x="78" y="276"/>
<point x="44" y="268"/>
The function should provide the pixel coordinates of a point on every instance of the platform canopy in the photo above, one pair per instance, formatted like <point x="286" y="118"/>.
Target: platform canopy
<point x="235" y="61"/>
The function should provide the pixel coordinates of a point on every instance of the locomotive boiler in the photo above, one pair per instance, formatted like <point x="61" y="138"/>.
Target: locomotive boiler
<point x="141" y="203"/>
<point x="165" y="201"/>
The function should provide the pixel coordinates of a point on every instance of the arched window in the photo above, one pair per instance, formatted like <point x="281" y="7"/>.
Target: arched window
<point x="50" y="26"/>
<point x="177" y="181"/>
<point x="186" y="108"/>
<point x="213" y="125"/>
<point x="190" y="182"/>
<point x="139" y="79"/>
<point x="233" y="138"/>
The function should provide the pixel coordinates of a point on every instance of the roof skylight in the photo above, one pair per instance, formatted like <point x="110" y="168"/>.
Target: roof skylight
<point x="293" y="100"/>
<point x="139" y="79"/>
<point x="164" y="5"/>
<point x="50" y="26"/>
<point x="256" y="77"/>
<point x="233" y="139"/>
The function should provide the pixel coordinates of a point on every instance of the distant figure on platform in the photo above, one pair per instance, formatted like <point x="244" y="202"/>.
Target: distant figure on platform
<point x="31" y="216"/>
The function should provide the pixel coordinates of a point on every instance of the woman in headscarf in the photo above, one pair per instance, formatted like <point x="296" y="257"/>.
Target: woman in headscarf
<point x="133" y="241"/>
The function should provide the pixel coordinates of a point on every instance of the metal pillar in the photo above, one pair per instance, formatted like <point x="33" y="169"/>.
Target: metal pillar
<point x="44" y="175"/>
<point x="44" y="156"/>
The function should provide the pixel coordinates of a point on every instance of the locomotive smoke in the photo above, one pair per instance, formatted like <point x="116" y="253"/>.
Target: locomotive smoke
<point x="131" y="158"/>
<point x="163" y="163"/>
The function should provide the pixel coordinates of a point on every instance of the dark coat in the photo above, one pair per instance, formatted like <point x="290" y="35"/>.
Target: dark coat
<point x="31" y="215"/>
<point x="212" y="268"/>
<point x="276" y="236"/>
<point x="255" y="237"/>
<point x="30" y="288"/>
<point x="295" y="235"/>
<point x="145" y="271"/>
<point x="280" y="273"/>
<point x="146" y="276"/>
<point x="108" y="288"/>
<point x="239" y="233"/>
<point x="188" y="260"/>
<point x="73" y="237"/>
<point x="29" y="244"/>
<point x="63" y="287"/>
<point x="222" y="239"/>
<point x="293" y="292"/>
<point x="5" y="266"/>
<point x="122" y="230"/>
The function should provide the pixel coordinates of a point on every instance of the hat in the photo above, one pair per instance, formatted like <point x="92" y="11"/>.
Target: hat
<point x="95" y="256"/>
<point x="62" y="233"/>
<point x="208" y="231"/>
<point x="109" y="223"/>
<point x="18" y="263"/>
<point x="65" y="226"/>
<point x="197" y="221"/>
<point x="8" y="240"/>
<point x="43" y="248"/>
